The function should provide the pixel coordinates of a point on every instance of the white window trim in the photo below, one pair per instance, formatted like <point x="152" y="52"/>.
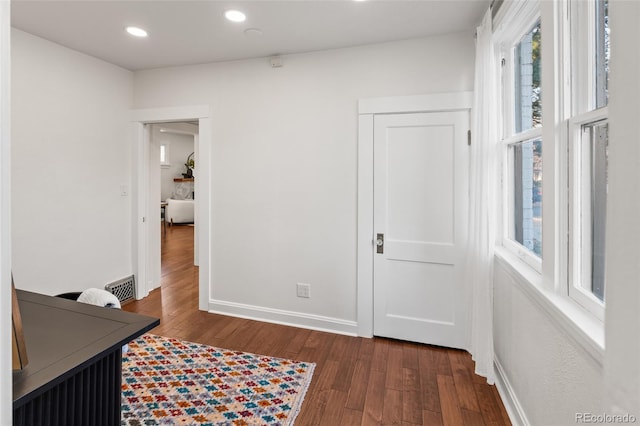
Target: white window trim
<point x="512" y="25"/>
<point x="576" y="290"/>
<point x="580" y="77"/>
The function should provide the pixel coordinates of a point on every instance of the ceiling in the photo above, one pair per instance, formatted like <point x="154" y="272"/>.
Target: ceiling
<point x="192" y="32"/>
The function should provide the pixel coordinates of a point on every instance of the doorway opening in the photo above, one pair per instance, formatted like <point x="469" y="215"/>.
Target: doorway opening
<point x="172" y="176"/>
<point x="147" y="225"/>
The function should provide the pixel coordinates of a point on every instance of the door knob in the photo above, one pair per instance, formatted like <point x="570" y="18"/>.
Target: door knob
<point x="380" y="243"/>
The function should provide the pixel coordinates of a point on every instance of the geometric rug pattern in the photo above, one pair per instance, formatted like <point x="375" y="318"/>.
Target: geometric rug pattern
<point x="172" y="382"/>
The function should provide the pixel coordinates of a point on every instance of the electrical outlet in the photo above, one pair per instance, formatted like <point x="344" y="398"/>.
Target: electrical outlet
<point x="303" y="290"/>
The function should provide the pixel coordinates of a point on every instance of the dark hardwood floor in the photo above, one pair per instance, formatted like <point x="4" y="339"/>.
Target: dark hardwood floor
<point x="357" y="381"/>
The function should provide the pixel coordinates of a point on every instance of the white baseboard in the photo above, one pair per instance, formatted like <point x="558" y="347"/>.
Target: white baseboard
<point x="509" y="398"/>
<point x="278" y="316"/>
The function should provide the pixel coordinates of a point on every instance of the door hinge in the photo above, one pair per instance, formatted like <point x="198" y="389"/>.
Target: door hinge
<point x="469" y="137"/>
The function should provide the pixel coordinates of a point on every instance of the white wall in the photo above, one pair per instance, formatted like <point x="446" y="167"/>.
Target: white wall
<point x="71" y="150"/>
<point x="284" y="163"/>
<point x="622" y="321"/>
<point x="550" y="374"/>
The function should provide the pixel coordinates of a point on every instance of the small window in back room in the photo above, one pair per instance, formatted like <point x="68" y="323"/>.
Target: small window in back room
<point x="164" y="155"/>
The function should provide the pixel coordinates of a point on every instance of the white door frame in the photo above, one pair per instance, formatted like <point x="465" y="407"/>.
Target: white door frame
<point x="140" y="185"/>
<point x="6" y="400"/>
<point x="367" y="109"/>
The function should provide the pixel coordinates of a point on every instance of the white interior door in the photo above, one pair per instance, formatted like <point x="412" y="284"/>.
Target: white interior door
<point x="154" y="267"/>
<point x="420" y="214"/>
<point x="196" y="238"/>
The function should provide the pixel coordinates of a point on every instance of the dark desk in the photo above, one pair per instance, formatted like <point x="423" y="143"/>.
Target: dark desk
<point x="75" y="361"/>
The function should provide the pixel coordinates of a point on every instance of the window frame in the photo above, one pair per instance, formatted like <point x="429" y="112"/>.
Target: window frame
<point x="582" y="66"/>
<point x="509" y="198"/>
<point x="548" y="287"/>
<point x="521" y="20"/>
<point x="576" y="287"/>
<point x="580" y="71"/>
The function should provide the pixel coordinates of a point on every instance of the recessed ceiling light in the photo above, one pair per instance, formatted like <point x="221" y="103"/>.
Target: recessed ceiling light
<point x="138" y="32"/>
<point x="235" y="16"/>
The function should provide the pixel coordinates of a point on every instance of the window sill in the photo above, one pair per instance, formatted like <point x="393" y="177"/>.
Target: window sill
<point x="585" y="329"/>
<point x="165" y="166"/>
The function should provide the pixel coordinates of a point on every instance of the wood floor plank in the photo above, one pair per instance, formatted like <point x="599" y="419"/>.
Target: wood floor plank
<point x="345" y="349"/>
<point x="263" y="337"/>
<point x="316" y="347"/>
<point x="450" y="407"/>
<point x="394" y="366"/>
<point x="356" y="381"/>
<point x="365" y="351"/>
<point x="292" y="340"/>
<point x="358" y="385"/>
<point x="392" y="411"/>
<point x="243" y="335"/>
<point x="488" y="405"/>
<point x="380" y="352"/>
<point x="463" y="381"/>
<point x="432" y="418"/>
<point x="351" y="417"/>
<point x="411" y="398"/>
<point x="334" y="409"/>
<point x="312" y="409"/>
<point x="471" y="418"/>
<point x="374" y="401"/>
<point x="410" y="355"/>
<point x="428" y="380"/>
<point x="441" y="358"/>
<point x="231" y="327"/>
<point x="321" y="389"/>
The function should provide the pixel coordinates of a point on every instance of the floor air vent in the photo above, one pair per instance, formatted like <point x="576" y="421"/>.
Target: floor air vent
<point x="123" y="289"/>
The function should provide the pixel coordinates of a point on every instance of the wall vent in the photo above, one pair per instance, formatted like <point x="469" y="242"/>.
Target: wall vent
<point x="124" y="289"/>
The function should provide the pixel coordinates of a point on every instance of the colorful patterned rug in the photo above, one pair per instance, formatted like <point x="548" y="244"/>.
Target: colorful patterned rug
<point x="172" y="382"/>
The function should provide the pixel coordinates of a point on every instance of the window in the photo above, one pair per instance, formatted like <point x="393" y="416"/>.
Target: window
<point x="522" y="99"/>
<point x="589" y="187"/>
<point x="526" y="214"/>
<point x="527" y="91"/>
<point x="560" y="50"/>
<point x="164" y="155"/>
<point x="601" y="48"/>
<point x="590" y="51"/>
<point x="588" y="153"/>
